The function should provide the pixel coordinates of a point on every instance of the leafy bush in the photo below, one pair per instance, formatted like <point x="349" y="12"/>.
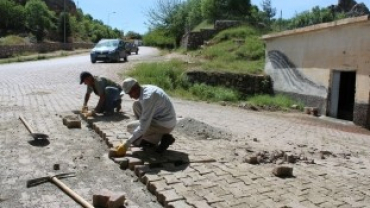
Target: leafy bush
<point x="12" y="40"/>
<point x="159" y="38"/>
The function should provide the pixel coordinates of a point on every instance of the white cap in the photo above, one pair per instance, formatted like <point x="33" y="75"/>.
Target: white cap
<point x="127" y="84"/>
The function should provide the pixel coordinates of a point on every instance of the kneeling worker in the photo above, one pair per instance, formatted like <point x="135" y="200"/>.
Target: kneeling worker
<point x="156" y="114"/>
<point x="107" y="90"/>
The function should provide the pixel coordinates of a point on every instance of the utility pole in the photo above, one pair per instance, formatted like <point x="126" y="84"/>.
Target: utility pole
<point x="64" y="21"/>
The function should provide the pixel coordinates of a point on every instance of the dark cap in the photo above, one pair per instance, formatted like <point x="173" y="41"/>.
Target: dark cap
<point x="84" y="75"/>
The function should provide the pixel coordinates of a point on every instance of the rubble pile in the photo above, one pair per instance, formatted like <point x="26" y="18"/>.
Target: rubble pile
<point x="277" y="157"/>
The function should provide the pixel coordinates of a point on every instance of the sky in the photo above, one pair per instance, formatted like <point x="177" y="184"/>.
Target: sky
<point x="130" y="15"/>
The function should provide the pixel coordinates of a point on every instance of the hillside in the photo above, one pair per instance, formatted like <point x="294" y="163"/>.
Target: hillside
<point x="45" y="20"/>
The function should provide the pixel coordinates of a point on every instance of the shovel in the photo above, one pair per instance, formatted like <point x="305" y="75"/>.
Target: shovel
<point x="35" y="135"/>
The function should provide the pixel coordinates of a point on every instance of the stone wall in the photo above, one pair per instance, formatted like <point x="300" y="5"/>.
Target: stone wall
<point x="11" y="50"/>
<point x="225" y="24"/>
<point x="245" y="83"/>
<point x="193" y="40"/>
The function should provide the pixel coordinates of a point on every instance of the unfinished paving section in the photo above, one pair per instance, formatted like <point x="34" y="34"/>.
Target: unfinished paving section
<point x="206" y="167"/>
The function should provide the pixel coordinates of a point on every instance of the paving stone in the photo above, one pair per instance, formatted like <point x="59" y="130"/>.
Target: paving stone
<point x="132" y="162"/>
<point x="178" y="204"/>
<point x="155" y="186"/>
<point x="150" y="177"/>
<point x="140" y="170"/>
<point x="283" y="171"/>
<point x="200" y="204"/>
<point x="171" y="179"/>
<point x="166" y="196"/>
<point x="116" y="200"/>
<point x="101" y="198"/>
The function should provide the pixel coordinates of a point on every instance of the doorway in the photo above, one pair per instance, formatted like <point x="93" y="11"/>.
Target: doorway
<point x="342" y="99"/>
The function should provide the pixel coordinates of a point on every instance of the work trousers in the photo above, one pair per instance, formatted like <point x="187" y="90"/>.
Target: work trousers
<point x="154" y="133"/>
<point x="112" y="97"/>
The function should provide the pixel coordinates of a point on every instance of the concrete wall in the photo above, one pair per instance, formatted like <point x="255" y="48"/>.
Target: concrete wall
<point x="301" y="61"/>
<point x="11" y="50"/>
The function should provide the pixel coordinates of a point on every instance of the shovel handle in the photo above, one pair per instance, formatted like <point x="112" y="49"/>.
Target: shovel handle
<point x="26" y="124"/>
<point x="71" y="193"/>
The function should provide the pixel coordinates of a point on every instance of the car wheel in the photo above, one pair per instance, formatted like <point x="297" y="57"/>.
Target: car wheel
<point x="137" y="52"/>
<point x="93" y="60"/>
<point x="128" y="52"/>
<point x="125" y="59"/>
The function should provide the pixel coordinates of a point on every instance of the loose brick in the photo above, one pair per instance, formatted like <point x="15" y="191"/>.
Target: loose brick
<point x="101" y="198"/>
<point x="72" y="121"/>
<point x="116" y="200"/>
<point x="283" y="171"/>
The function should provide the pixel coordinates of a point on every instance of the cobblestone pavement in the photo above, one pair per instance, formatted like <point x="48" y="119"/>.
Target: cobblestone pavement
<point x="215" y="175"/>
<point x="43" y="92"/>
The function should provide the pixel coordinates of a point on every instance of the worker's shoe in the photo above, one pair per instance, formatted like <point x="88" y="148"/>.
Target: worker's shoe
<point x="118" y="105"/>
<point x="166" y="141"/>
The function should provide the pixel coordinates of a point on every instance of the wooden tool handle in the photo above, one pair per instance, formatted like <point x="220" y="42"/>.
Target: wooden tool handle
<point x="71" y="193"/>
<point x="26" y="124"/>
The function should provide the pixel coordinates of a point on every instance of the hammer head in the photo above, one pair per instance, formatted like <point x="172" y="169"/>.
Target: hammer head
<point x="37" y="181"/>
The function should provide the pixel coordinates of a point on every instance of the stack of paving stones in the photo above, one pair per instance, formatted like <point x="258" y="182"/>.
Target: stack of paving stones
<point x="191" y="175"/>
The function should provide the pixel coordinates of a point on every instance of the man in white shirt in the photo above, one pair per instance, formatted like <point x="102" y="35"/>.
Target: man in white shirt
<point x="156" y="114"/>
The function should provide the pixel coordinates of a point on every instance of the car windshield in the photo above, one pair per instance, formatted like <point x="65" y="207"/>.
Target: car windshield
<point x="112" y="43"/>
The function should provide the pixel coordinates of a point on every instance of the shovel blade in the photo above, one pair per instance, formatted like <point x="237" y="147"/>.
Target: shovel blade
<point x="39" y="136"/>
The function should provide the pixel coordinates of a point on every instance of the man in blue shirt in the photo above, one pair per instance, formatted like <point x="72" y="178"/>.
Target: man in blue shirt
<point x="107" y="90"/>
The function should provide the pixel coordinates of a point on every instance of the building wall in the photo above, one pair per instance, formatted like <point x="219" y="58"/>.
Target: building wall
<point x="301" y="61"/>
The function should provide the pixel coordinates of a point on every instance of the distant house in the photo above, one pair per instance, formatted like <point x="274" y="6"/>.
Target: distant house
<point x="326" y="66"/>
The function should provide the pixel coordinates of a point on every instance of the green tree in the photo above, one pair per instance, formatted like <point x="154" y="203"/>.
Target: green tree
<point x="213" y="10"/>
<point x="12" y="15"/>
<point x="194" y="13"/>
<point x="64" y="26"/>
<point x="38" y="18"/>
<point x="170" y="16"/>
<point x="268" y="11"/>
<point x="133" y="35"/>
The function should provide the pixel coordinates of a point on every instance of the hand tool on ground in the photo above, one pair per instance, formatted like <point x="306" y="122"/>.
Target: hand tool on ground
<point x="35" y="135"/>
<point x="54" y="179"/>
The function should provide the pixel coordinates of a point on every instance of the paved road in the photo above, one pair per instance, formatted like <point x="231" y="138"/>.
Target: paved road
<point x="43" y="92"/>
<point x="46" y="90"/>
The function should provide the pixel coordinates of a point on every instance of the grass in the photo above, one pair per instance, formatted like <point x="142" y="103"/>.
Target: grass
<point x="12" y="40"/>
<point x="203" y="25"/>
<point x="238" y="50"/>
<point x="40" y="56"/>
<point x="171" y="77"/>
<point x="279" y="101"/>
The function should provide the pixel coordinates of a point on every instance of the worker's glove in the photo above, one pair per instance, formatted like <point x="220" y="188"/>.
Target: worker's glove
<point x="90" y="113"/>
<point x="84" y="109"/>
<point x="121" y="149"/>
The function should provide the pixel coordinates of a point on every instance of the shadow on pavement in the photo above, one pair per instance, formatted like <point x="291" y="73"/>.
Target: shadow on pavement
<point x="170" y="160"/>
<point x="39" y="142"/>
